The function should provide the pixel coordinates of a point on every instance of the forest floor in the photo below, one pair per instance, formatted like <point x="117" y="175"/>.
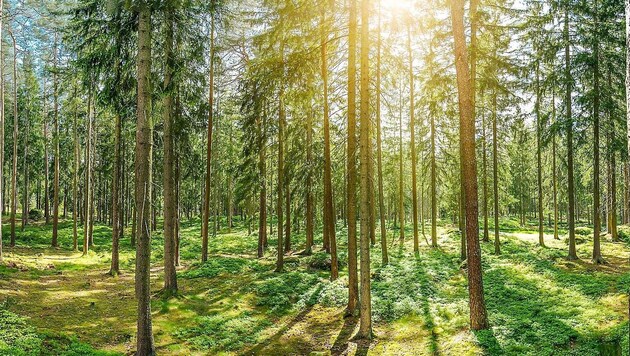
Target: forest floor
<point x="56" y="301"/>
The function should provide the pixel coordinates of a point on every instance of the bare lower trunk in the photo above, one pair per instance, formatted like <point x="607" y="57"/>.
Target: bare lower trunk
<point x="143" y="163"/>
<point x="478" y="315"/>
<point x="365" y="325"/>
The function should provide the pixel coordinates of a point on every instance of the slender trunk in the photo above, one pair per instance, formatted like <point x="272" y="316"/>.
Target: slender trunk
<point x="170" y="272"/>
<point x="1" y="129"/>
<point x="328" y="209"/>
<point x="143" y="163"/>
<point x="478" y="315"/>
<point x="554" y="170"/>
<point x="484" y="154"/>
<point x="597" y="253"/>
<point x="55" y="232"/>
<point x="15" y="142"/>
<point x="612" y="169"/>
<point x="75" y="178"/>
<point x="539" y="129"/>
<point x="25" y="193"/>
<point x="310" y="214"/>
<point x="433" y="183"/>
<point x="206" y="200"/>
<point x="353" y="279"/>
<point x="412" y="133"/>
<point x="495" y="173"/>
<point x="280" y="189"/>
<point x="401" y="190"/>
<point x="365" y="325"/>
<point x="287" y="206"/>
<point x="379" y="145"/>
<point x="262" y="169"/>
<point x="87" y="202"/>
<point x="569" y="128"/>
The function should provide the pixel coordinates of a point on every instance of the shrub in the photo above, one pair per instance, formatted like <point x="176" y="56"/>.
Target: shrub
<point x="583" y="231"/>
<point x="35" y="214"/>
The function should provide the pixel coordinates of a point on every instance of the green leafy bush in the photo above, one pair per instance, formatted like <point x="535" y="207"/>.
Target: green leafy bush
<point x="35" y="214"/>
<point x="583" y="231"/>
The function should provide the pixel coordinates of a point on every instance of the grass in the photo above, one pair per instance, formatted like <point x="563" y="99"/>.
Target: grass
<point x="57" y="302"/>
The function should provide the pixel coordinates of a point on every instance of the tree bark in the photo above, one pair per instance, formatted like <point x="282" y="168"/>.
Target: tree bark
<point x="170" y="204"/>
<point x="15" y="140"/>
<point x="143" y="163"/>
<point x="412" y="134"/>
<point x="365" y="325"/>
<point x="353" y="279"/>
<point x="539" y="129"/>
<point x="379" y="145"/>
<point x="478" y="315"/>
<point x="569" y="130"/>
<point x="55" y="231"/>
<point x="597" y="252"/>
<point x="206" y="200"/>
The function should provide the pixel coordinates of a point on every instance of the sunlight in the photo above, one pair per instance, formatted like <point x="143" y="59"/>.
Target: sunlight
<point x="397" y="6"/>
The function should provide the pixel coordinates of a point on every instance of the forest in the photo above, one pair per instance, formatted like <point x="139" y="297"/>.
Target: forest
<point x="314" y="177"/>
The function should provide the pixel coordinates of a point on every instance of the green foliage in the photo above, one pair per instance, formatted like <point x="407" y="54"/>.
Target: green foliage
<point x="583" y="231"/>
<point x="282" y="293"/>
<point x="217" y="265"/>
<point x="18" y="337"/>
<point x="35" y="214"/>
<point x="224" y="333"/>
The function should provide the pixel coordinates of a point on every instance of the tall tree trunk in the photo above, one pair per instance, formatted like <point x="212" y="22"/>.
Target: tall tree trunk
<point x="539" y="129"/>
<point x="2" y="197"/>
<point x="597" y="252"/>
<point x="478" y="315"/>
<point x="75" y="178"/>
<point x="262" y="169"/>
<point x="365" y="325"/>
<point x="143" y="163"/>
<point x="55" y="231"/>
<point x="433" y="183"/>
<point x="170" y="204"/>
<point x="401" y="184"/>
<point x="87" y="189"/>
<point x="287" y="206"/>
<point x="612" y="169"/>
<point x="379" y="145"/>
<point x="206" y="200"/>
<point x="495" y="173"/>
<point x="554" y="170"/>
<point x="412" y="133"/>
<point x="310" y="214"/>
<point x="569" y="128"/>
<point x="353" y="279"/>
<point x="15" y="142"/>
<point x="280" y="189"/>
<point x="25" y="193"/>
<point x="484" y="155"/>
